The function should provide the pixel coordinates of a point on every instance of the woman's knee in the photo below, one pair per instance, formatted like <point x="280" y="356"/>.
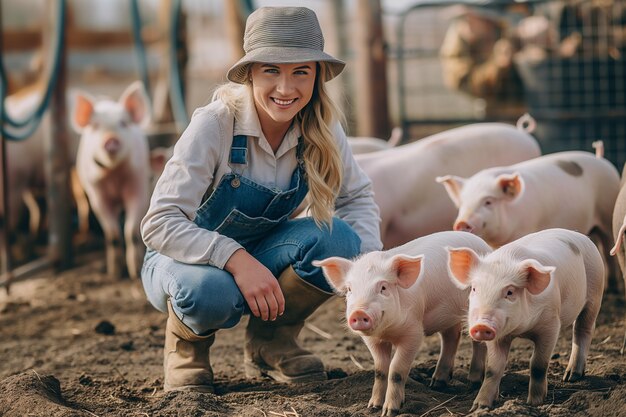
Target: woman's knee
<point x="340" y="240"/>
<point x="323" y="243"/>
<point x="204" y="297"/>
<point x="209" y="301"/>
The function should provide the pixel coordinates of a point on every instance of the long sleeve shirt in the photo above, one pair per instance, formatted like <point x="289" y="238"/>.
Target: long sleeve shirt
<point x="199" y="161"/>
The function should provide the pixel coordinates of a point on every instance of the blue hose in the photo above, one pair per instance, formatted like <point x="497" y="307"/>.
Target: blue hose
<point x="27" y="126"/>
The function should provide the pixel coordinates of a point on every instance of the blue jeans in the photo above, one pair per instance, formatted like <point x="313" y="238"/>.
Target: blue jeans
<point x="205" y="297"/>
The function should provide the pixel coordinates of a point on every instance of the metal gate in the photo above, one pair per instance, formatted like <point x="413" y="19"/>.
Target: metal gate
<point x="562" y="61"/>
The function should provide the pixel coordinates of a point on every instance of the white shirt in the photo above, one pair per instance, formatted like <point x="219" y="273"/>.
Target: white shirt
<point x="199" y="161"/>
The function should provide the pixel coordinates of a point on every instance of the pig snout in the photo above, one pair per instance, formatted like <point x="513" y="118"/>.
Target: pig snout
<point x="360" y="320"/>
<point x="463" y="226"/>
<point x="112" y="145"/>
<point x="482" y="332"/>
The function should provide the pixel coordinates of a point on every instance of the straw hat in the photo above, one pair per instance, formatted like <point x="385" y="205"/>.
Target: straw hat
<point x="282" y="35"/>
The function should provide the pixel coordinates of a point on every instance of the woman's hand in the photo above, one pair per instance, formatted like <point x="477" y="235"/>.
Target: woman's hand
<point x="257" y="284"/>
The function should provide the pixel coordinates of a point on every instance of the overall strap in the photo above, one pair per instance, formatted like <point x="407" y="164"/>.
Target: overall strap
<point x="238" y="158"/>
<point x="239" y="150"/>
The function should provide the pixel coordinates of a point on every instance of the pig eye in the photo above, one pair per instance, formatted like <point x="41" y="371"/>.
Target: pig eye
<point x="488" y="202"/>
<point x="510" y="292"/>
<point x="383" y="288"/>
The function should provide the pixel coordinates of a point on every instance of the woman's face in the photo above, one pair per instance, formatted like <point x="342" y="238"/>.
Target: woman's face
<point x="281" y="90"/>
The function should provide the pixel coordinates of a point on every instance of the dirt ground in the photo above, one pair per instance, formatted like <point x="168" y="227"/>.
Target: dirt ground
<point x="76" y="343"/>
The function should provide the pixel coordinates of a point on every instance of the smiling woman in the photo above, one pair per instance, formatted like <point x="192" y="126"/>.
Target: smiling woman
<point x="280" y="92"/>
<point x="220" y="240"/>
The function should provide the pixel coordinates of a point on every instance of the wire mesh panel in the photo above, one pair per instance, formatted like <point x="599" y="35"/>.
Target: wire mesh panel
<point x="562" y="61"/>
<point x="574" y="79"/>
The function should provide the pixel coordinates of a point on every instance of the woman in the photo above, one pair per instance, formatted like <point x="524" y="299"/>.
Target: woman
<point x="221" y="243"/>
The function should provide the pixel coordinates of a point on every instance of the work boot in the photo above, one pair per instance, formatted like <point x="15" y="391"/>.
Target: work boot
<point x="186" y="357"/>
<point x="271" y="348"/>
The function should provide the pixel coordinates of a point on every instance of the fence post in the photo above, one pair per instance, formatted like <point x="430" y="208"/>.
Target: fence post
<point x="372" y="113"/>
<point x="5" y="258"/>
<point x="56" y="161"/>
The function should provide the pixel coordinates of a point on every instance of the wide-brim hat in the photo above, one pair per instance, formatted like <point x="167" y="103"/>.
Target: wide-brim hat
<point x="282" y="35"/>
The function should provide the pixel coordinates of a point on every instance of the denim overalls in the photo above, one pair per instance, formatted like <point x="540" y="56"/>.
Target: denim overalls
<point x="206" y="297"/>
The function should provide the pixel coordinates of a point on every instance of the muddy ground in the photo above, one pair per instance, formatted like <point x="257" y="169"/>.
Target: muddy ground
<point x="76" y="343"/>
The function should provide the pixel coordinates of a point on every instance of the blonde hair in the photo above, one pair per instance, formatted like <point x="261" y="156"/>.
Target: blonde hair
<point x="322" y="159"/>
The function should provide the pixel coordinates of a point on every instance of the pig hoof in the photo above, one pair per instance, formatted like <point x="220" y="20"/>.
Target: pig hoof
<point x="390" y="412"/>
<point x="438" y="384"/>
<point x="479" y="407"/>
<point x="375" y="407"/>
<point x="474" y="386"/>
<point x="572" y="376"/>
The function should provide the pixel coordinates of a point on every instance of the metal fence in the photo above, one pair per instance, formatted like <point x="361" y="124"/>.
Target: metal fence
<point x="562" y="61"/>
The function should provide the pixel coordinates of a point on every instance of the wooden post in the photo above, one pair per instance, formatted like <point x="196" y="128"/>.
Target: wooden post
<point x="56" y="162"/>
<point x="5" y="258"/>
<point x="161" y="101"/>
<point x="372" y="113"/>
<point x="336" y="43"/>
<point x="235" y="25"/>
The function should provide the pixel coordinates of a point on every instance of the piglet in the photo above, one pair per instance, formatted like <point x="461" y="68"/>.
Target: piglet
<point x="113" y="166"/>
<point x="396" y="297"/>
<point x="573" y="190"/>
<point x="531" y="288"/>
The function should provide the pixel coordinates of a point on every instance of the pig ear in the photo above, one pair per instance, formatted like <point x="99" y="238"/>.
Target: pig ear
<point x="460" y="263"/>
<point x="511" y="185"/>
<point x="135" y="101"/>
<point x="407" y="268"/>
<point x="453" y="185"/>
<point x="82" y="110"/>
<point x="335" y="270"/>
<point x="538" y="276"/>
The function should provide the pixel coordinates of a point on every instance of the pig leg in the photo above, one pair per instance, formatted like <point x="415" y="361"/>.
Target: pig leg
<point x="108" y="218"/>
<point x="581" y="339"/>
<point x="613" y="276"/>
<point x="381" y="352"/>
<point x="497" y="354"/>
<point x="449" y="344"/>
<point x="82" y="204"/>
<point x="544" y="346"/>
<point x="477" y="366"/>
<point x="406" y="349"/>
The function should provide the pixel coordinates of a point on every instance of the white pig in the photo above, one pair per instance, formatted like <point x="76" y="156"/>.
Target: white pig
<point x="411" y="203"/>
<point x="531" y="288"/>
<point x="365" y="144"/>
<point x="574" y="190"/>
<point x="396" y="297"/>
<point x="113" y="166"/>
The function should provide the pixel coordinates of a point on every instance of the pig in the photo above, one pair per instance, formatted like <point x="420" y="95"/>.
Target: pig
<point x="113" y="166"/>
<point x="573" y="190"/>
<point x="619" y="228"/>
<point x="25" y="161"/>
<point x="403" y="178"/>
<point x="364" y="144"/>
<point x="396" y="297"/>
<point x="531" y="288"/>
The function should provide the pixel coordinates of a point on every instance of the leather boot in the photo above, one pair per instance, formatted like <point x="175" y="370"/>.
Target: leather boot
<point x="270" y="346"/>
<point x="186" y="357"/>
